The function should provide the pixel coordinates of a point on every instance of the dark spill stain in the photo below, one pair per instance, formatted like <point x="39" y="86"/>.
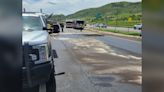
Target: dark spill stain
<point x="103" y="84"/>
<point x="103" y="81"/>
<point x="129" y="75"/>
<point x="103" y="78"/>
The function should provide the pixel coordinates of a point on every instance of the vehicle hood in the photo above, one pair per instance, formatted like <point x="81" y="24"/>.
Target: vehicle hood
<point x="34" y="37"/>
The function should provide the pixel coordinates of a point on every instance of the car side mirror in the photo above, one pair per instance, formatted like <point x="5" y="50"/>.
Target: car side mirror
<point x="45" y="28"/>
<point x="48" y="30"/>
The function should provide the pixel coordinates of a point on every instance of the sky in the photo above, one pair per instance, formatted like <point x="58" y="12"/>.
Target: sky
<point x="65" y="7"/>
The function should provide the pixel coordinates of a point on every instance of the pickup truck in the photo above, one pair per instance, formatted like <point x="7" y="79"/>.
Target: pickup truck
<point x="138" y="27"/>
<point x="38" y="64"/>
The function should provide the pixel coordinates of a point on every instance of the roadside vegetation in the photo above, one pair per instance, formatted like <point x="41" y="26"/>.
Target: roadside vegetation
<point x="119" y="32"/>
<point x="118" y="20"/>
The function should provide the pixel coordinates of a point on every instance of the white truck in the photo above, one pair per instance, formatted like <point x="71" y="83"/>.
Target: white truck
<point x="38" y="64"/>
<point x="138" y="27"/>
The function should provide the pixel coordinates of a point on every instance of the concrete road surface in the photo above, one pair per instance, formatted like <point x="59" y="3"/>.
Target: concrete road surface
<point x="96" y="63"/>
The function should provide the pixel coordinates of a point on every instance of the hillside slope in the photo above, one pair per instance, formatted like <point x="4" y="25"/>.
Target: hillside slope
<point x="110" y="9"/>
<point x="109" y="14"/>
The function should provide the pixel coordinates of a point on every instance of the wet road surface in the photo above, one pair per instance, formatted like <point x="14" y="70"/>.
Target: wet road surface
<point x="129" y="45"/>
<point x="92" y="64"/>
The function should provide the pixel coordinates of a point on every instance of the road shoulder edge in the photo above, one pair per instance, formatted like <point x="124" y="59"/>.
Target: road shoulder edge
<point x="130" y="37"/>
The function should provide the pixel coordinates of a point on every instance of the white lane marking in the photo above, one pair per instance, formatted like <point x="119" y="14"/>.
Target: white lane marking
<point x="125" y="56"/>
<point x="134" y="57"/>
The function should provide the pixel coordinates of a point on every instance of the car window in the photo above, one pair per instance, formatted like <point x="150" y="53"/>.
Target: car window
<point x="80" y="22"/>
<point x="32" y="23"/>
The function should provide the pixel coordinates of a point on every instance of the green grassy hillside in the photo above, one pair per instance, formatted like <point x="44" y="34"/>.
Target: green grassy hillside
<point x="120" y="8"/>
<point x="109" y="14"/>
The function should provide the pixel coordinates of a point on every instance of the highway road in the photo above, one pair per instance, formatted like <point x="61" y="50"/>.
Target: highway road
<point x="126" y="44"/>
<point x="96" y="63"/>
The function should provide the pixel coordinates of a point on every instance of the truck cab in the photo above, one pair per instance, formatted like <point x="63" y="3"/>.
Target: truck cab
<point x="79" y="24"/>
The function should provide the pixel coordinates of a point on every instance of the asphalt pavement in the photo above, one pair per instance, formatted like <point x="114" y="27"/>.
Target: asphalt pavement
<point x="125" y="44"/>
<point x="96" y="63"/>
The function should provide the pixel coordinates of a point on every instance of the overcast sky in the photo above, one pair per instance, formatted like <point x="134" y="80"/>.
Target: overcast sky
<point x="65" y="6"/>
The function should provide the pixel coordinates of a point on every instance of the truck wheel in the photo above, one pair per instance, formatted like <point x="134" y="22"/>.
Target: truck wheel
<point x="51" y="84"/>
<point x="32" y="89"/>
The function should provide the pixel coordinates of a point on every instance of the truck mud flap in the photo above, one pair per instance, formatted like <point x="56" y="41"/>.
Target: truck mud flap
<point x="54" y="54"/>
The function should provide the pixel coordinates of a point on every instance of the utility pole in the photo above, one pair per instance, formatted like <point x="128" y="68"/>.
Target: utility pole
<point x="106" y="20"/>
<point x="116" y="17"/>
<point x="41" y="11"/>
<point x="24" y="9"/>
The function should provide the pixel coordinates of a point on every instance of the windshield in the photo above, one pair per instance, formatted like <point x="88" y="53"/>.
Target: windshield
<point x="32" y="23"/>
<point x="80" y="22"/>
<point x="69" y="22"/>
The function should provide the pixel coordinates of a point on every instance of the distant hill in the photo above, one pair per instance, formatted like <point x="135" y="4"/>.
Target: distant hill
<point x="59" y="17"/>
<point x="119" y="8"/>
<point x="109" y="14"/>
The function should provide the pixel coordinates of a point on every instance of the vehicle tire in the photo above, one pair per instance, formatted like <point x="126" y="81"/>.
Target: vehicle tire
<point x="32" y="89"/>
<point x="51" y="83"/>
<point x="135" y="28"/>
